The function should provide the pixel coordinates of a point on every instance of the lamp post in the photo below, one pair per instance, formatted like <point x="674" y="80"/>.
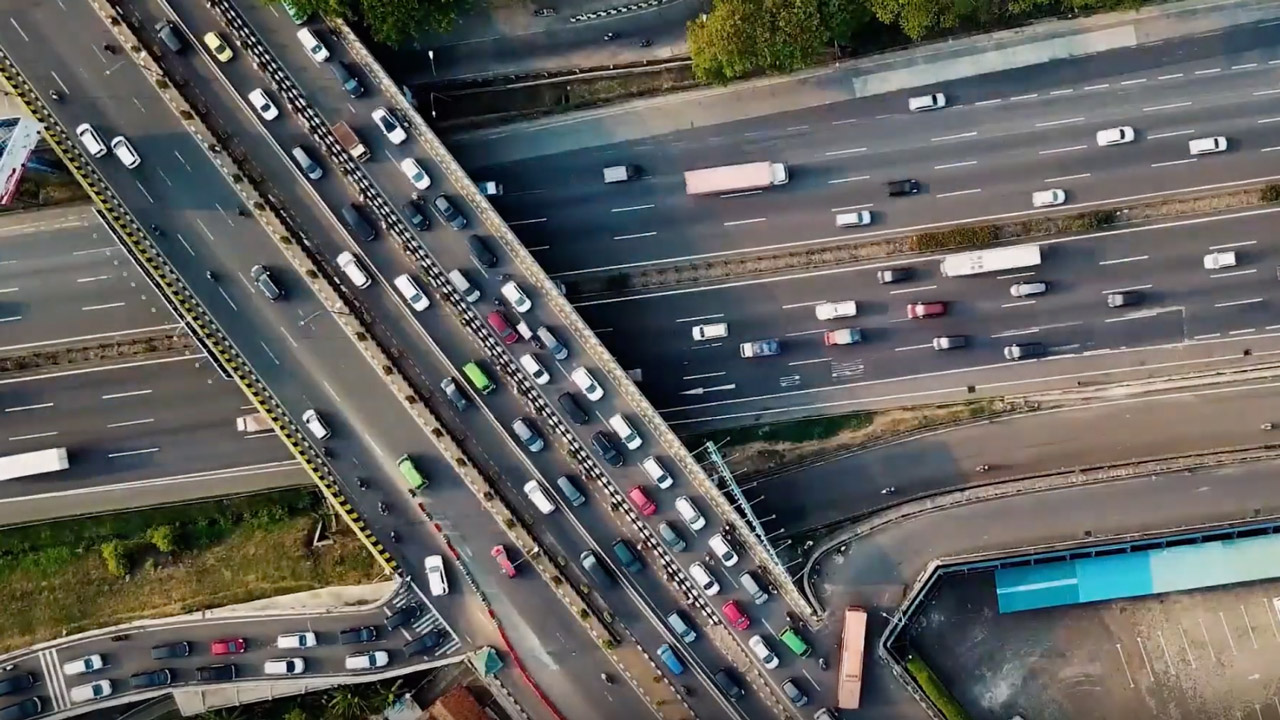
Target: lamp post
<point x="431" y="55"/>
<point x="308" y="318"/>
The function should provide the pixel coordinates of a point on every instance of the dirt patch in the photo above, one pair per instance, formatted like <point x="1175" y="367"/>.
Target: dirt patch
<point x="61" y="357"/>
<point x="747" y="457"/>
<point x="851" y="251"/>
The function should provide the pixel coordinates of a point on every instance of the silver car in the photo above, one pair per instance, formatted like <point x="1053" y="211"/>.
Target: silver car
<point x="1025" y="289"/>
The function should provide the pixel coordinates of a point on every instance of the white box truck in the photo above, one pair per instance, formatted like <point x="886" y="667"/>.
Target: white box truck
<point x="735" y="178"/>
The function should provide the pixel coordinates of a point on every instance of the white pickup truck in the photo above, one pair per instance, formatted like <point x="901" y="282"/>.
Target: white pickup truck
<point x="1219" y="260"/>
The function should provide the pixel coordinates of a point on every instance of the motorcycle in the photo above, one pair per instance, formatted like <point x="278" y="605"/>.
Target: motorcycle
<point x="646" y="42"/>
<point x="395" y="537"/>
<point x="1267" y="426"/>
<point x="889" y="490"/>
<point x="209" y="274"/>
<point x="611" y="36"/>
<point x="605" y="677"/>
<point x="822" y="663"/>
<point x="362" y="483"/>
<point x="118" y="638"/>
<point x="109" y="49"/>
<point x="55" y="95"/>
<point x="382" y="508"/>
<point x="544" y="12"/>
<point x="983" y="468"/>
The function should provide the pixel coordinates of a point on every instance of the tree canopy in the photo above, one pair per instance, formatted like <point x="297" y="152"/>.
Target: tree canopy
<point x="390" y="22"/>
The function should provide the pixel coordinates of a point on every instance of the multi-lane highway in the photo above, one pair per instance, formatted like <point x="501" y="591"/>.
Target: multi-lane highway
<point x="65" y="281"/>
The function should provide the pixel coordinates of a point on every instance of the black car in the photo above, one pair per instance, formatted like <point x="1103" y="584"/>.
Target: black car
<point x="480" y="252"/>
<point x="16" y="683"/>
<point x="403" y="616"/>
<point x="573" y="410"/>
<point x="172" y="650"/>
<point x="153" y="678"/>
<point x="21" y="711"/>
<point x="429" y="640"/>
<point x="355" y="635"/>
<point x="448" y="212"/>
<point x="349" y="81"/>
<point x="903" y="187"/>
<point x="893" y="275"/>
<point x="413" y="213"/>
<point x="604" y="446"/>
<point x="169" y="36"/>
<point x="216" y="673"/>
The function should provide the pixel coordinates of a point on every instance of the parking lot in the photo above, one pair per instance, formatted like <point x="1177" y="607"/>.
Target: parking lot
<point x="1201" y="655"/>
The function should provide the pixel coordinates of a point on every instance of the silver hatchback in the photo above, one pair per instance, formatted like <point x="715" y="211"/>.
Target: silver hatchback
<point x="1025" y="289"/>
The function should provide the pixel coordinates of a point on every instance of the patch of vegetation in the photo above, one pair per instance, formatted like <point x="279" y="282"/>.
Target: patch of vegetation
<point x="975" y="236"/>
<point x="390" y="22"/>
<point x="793" y="432"/>
<point x="345" y="702"/>
<point x="65" y="577"/>
<point x="1270" y="193"/>
<point x="934" y="689"/>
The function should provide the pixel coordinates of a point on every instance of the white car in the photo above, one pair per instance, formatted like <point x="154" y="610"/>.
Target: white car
<point x="368" y="660"/>
<point x="389" y="126"/>
<point x="437" y="583"/>
<point x="1115" y="136"/>
<point x="762" y="651"/>
<point x="833" y="310"/>
<point x="587" y="384"/>
<point x="514" y="295"/>
<point x="355" y="273"/>
<point x="1204" y="146"/>
<point x="267" y="109"/>
<point x="412" y="294"/>
<point x="1024" y="289"/>
<point x="312" y="420"/>
<point x="702" y="576"/>
<point x="1219" y="260"/>
<point x="91" y="140"/>
<point x="415" y="173"/>
<point x="535" y="369"/>
<point x="721" y="548"/>
<point x="1048" y="198"/>
<point x="690" y="514"/>
<point x="86" y="664"/>
<point x="284" y="666"/>
<point x="125" y="152"/>
<point x="91" y="691"/>
<point x="297" y="641"/>
<point x="710" y="331"/>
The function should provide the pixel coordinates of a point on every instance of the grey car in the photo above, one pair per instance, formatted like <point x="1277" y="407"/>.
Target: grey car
<point x="893" y="275"/>
<point x="262" y="278"/>
<point x="793" y="693"/>
<point x="1025" y="289"/>
<point x="1023" y="351"/>
<point x="1123" y="298"/>
<point x="448" y="212"/>
<point x="670" y="537"/>
<point x="528" y="434"/>
<point x="150" y="679"/>
<point x="454" y="393"/>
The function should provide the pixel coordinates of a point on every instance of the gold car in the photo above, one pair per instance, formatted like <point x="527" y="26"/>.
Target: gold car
<point x="216" y="46"/>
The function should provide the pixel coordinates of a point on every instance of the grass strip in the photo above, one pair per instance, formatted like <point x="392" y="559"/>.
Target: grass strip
<point x="933" y="688"/>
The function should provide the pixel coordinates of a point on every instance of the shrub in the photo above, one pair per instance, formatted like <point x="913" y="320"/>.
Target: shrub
<point x="1270" y="193"/>
<point x="935" y="690"/>
<point x="116" y="554"/>
<point x="164" y="537"/>
<point x="953" y="238"/>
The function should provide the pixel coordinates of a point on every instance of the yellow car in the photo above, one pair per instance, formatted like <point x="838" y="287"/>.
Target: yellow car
<point x="216" y="46"/>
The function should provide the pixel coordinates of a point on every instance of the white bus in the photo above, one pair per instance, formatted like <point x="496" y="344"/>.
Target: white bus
<point x="33" y="463"/>
<point x="985" y="261"/>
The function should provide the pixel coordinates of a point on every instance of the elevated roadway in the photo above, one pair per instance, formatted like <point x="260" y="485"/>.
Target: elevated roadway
<point x="64" y="280"/>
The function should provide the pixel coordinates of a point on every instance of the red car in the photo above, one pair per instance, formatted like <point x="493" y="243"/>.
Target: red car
<point x="926" y="309"/>
<point x="499" y="553"/>
<point x="502" y="327"/>
<point x="234" y="646"/>
<point x="735" y="616"/>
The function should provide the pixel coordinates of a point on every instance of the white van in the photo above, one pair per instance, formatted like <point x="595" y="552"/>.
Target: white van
<point x="932" y="101"/>
<point x="539" y="498"/>
<point x="91" y="691"/>
<point x="853" y="219"/>
<point x="351" y="266"/>
<point x="535" y="369"/>
<point x="625" y="432"/>
<point x="297" y="641"/>
<point x="411" y="293"/>
<point x="710" y="331"/>
<point x="368" y="660"/>
<point x="833" y="310"/>
<point x="656" y="472"/>
<point x="464" y="286"/>
<point x="314" y="47"/>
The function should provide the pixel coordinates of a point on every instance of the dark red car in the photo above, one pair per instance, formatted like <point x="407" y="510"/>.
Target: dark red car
<point x="926" y="309"/>
<point x="233" y="646"/>
<point x="500" y="325"/>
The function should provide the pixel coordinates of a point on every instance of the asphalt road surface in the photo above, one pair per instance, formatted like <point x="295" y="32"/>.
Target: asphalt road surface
<point x="1181" y="304"/>
<point x="875" y="571"/>
<point x="259" y="632"/>
<point x="1101" y="433"/>
<point x="132" y="423"/>
<point x="1002" y="137"/>
<point x="64" y="280"/>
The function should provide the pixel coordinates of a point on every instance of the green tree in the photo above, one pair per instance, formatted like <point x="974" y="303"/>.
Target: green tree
<point x="918" y="18"/>
<point x="296" y="713"/>
<point x="844" y="19"/>
<point x="741" y="37"/>
<point x="348" y="703"/>
<point x="391" y="22"/>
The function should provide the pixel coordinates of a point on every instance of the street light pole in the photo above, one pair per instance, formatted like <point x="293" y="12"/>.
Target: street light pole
<point x="431" y="54"/>
<point x="308" y="318"/>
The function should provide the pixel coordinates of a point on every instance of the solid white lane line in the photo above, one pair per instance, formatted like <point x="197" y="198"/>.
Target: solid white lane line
<point x="1269" y="149"/>
<point x="852" y="207"/>
<point x="809" y="362"/>
<point x="848" y="179"/>
<point x="1068" y="177"/>
<point x="1233" y="274"/>
<point x="955" y="165"/>
<point x="1135" y="316"/>
<point x="704" y="375"/>
<point x="526" y="222"/>
<point x="1174" y="162"/>
<point x="133" y="452"/>
<point x="953" y="137"/>
<point x="1250" y="301"/>
<point x="1170" y="134"/>
<point x="1124" y="289"/>
<point x="845" y="152"/>
<point x="914" y="289"/>
<point x="633" y="237"/>
<point x="132" y="393"/>
<point x="1051" y="123"/>
<point x="743" y="222"/>
<point x="806" y="332"/>
<point x="700" y="317"/>
<point x="1124" y="260"/>
<point x="131" y="422"/>
<point x="913" y="347"/>
<point x="28" y="407"/>
<point x="959" y="192"/>
<point x="1170" y="106"/>
<point x="1065" y="149"/>
<point x="1267" y="92"/>
<point x="633" y="207"/>
<point x="1269" y="120"/>
<point x="1242" y="243"/>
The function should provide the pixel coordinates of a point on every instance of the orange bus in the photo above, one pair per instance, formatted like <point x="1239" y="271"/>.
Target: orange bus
<point x="849" y="690"/>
